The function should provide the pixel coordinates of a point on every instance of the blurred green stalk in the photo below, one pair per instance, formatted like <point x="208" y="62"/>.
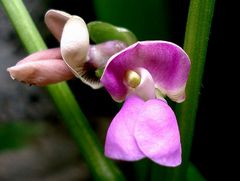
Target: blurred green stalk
<point x="74" y="119"/>
<point x="148" y="20"/>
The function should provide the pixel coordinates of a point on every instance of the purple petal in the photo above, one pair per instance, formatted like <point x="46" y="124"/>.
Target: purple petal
<point x="167" y="63"/>
<point x="99" y="54"/>
<point x="157" y="133"/>
<point x="120" y="142"/>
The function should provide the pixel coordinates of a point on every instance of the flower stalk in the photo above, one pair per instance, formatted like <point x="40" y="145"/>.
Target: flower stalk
<point x="74" y="119"/>
<point x="195" y="44"/>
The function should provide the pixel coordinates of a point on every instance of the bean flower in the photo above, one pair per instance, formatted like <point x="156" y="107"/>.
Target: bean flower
<point x="142" y="75"/>
<point x="75" y="57"/>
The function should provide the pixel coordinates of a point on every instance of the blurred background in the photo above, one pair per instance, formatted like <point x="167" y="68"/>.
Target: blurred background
<point x="34" y="145"/>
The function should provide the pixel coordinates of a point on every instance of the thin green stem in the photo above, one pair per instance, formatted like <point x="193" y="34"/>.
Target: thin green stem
<point x="195" y="44"/>
<point x="193" y="174"/>
<point x="74" y="119"/>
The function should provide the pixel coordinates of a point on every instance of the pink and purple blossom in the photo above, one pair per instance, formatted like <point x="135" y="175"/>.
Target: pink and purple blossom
<point x="142" y="75"/>
<point x="74" y="57"/>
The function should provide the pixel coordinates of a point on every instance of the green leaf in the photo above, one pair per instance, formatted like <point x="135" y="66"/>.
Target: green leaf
<point x="101" y="32"/>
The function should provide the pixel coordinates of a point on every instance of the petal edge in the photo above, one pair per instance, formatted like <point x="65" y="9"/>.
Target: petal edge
<point x="157" y="133"/>
<point x="120" y="143"/>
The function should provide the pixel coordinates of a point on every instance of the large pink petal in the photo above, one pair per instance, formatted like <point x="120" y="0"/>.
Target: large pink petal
<point x="167" y="63"/>
<point x="157" y="133"/>
<point x="120" y="142"/>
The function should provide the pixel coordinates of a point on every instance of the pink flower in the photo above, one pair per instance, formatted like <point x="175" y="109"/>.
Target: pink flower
<point x="146" y="126"/>
<point x="74" y="57"/>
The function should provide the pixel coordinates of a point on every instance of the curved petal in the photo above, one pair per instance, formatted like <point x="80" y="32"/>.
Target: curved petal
<point x="146" y="88"/>
<point x="55" y="21"/>
<point x="167" y="63"/>
<point x="97" y="58"/>
<point x="99" y="54"/>
<point x="120" y="142"/>
<point x="75" y="45"/>
<point x="157" y="133"/>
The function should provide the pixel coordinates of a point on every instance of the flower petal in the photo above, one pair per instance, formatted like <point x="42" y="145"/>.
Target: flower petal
<point x="157" y="133"/>
<point x="55" y="21"/>
<point x="99" y="54"/>
<point x="167" y="63"/>
<point x="120" y="142"/>
<point x="146" y="88"/>
<point x="41" y="73"/>
<point x="75" y="45"/>
<point x="53" y="53"/>
<point x="97" y="58"/>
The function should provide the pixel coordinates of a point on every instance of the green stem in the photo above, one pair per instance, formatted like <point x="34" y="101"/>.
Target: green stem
<point x="74" y="119"/>
<point x="195" y="44"/>
<point x="193" y="174"/>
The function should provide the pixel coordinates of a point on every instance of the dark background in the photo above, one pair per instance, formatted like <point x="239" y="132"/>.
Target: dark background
<point x="212" y="148"/>
<point x="214" y="143"/>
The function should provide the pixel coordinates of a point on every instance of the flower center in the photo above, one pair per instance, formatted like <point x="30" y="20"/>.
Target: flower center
<point x="132" y="78"/>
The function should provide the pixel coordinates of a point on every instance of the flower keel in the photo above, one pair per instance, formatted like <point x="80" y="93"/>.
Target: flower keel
<point x="144" y="129"/>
